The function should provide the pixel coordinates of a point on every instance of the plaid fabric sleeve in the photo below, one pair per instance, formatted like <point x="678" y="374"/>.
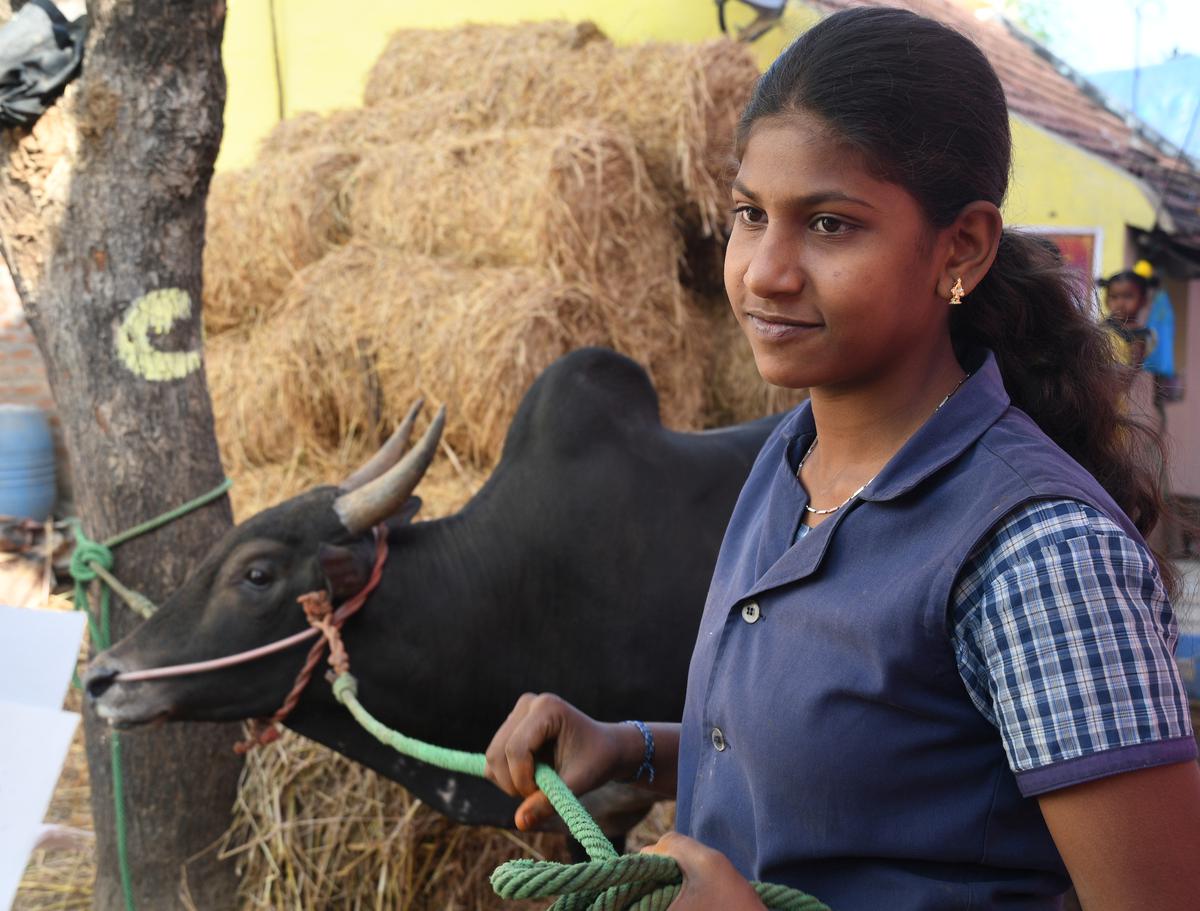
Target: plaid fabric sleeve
<point x="1065" y="640"/>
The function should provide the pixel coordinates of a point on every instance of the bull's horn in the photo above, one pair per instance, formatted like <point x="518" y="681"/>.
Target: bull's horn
<point x="389" y="453"/>
<point x="376" y="500"/>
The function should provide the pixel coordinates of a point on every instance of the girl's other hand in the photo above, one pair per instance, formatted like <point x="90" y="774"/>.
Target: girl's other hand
<point x="587" y="753"/>
<point x="709" y="879"/>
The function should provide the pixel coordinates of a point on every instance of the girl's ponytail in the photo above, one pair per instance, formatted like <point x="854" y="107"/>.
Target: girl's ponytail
<point x="1060" y="367"/>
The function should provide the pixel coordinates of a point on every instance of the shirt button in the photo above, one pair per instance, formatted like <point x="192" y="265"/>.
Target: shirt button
<point x="718" y="740"/>
<point x="751" y="612"/>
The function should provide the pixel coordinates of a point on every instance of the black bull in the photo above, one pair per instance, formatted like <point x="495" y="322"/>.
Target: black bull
<point x="580" y="568"/>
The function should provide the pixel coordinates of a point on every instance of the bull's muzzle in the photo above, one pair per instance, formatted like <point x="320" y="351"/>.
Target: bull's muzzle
<point x="97" y="680"/>
<point x="119" y="704"/>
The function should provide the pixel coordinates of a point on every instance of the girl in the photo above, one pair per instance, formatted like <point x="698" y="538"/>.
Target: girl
<point x="935" y="666"/>
<point x="1127" y="295"/>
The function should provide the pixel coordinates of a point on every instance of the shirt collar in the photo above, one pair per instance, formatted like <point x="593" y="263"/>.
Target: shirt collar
<point x="948" y="433"/>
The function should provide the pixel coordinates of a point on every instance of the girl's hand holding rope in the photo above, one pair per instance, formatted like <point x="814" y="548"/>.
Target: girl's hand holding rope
<point x="709" y="879"/>
<point x="586" y="753"/>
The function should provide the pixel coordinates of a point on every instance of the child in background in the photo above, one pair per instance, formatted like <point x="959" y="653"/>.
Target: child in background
<point x="934" y="671"/>
<point x="1127" y="294"/>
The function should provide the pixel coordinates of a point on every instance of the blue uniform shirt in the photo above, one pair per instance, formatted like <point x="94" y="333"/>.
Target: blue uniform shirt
<point x="828" y="740"/>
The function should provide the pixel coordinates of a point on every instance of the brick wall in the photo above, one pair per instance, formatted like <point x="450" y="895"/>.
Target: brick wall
<point x="23" y="375"/>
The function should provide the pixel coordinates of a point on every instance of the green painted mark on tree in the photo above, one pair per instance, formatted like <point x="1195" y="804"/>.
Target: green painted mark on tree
<point x="155" y="313"/>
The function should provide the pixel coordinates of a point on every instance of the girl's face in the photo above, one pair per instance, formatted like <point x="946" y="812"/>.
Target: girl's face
<point x="1125" y="299"/>
<point x="830" y="271"/>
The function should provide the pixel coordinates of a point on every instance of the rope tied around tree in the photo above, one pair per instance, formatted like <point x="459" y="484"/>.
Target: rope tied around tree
<point x="88" y="555"/>
<point x="607" y="882"/>
<point x="93" y="561"/>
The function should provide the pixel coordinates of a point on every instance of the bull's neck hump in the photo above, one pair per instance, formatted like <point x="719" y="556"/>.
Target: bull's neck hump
<point x="453" y="562"/>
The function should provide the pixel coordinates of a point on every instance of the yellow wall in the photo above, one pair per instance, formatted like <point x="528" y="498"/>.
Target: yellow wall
<point x="1056" y="183"/>
<point x="251" y="101"/>
<point x="327" y="50"/>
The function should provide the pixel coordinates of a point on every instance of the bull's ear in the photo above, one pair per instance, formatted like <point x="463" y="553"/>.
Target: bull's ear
<point x="346" y="569"/>
<point x="406" y="513"/>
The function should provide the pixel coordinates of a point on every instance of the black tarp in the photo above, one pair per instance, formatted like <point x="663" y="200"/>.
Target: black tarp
<point x="40" y="52"/>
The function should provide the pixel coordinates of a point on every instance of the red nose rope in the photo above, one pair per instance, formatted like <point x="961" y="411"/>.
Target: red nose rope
<point x="323" y="619"/>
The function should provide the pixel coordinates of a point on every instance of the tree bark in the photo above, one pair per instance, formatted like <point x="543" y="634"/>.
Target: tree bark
<point x="102" y="225"/>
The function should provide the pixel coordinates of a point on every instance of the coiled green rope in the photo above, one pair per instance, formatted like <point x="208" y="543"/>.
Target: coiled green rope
<point x="608" y="882"/>
<point x="92" y="560"/>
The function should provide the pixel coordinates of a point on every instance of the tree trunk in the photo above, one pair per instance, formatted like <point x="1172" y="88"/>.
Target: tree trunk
<point x="102" y="225"/>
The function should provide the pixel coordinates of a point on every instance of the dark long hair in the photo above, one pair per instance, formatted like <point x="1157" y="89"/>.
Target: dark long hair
<point x="925" y="110"/>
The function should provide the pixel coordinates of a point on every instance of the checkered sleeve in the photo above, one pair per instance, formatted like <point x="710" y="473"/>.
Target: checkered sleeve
<point x="1065" y="639"/>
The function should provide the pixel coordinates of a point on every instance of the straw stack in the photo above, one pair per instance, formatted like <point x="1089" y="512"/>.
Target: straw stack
<point x="266" y="223"/>
<point x="408" y="118"/>
<point x="576" y="200"/>
<point x="367" y="329"/>
<point x="680" y="101"/>
<point x="474" y="55"/>
<point x="315" y="830"/>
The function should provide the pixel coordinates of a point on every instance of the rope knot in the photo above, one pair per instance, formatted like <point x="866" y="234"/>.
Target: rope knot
<point x="316" y="605"/>
<point x="319" y="612"/>
<point x="87" y="552"/>
<point x="344" y="685"/>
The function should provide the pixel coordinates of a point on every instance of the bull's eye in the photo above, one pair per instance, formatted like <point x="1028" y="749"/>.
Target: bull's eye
<point x="258" y="577"/>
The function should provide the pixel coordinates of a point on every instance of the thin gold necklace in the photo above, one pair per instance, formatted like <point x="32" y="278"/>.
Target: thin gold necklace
<point x="854" y="496"/>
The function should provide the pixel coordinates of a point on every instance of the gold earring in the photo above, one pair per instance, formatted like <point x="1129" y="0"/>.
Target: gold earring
<point x="956" y="293"/>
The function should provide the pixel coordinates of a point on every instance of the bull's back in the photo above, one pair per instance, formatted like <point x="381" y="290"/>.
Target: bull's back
<point x="595" y="397"/>
<point x="586" y="396"/>
<point x="626" y="518"/>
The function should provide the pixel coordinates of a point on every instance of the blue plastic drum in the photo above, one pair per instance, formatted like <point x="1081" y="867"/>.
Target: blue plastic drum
<point x="26" y="463"/>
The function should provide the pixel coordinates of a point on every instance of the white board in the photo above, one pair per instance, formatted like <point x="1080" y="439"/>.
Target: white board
<point x="40" y="648"/>
<point x="35" y="745"/>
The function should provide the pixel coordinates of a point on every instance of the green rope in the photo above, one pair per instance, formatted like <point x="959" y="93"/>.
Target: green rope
<point x="90" y="561"/>
<point x="121" y="826"/>
<point x="608" y="882"/>
<point x="167" y="517"/>
<point x="136" y="600"/>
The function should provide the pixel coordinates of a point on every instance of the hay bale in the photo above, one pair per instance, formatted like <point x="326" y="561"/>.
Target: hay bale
<point x="423" y="60"/>
<point x="314" y="830"/>
<point x="575" y="199"/>
<point x="300" y="389"/>
<point x="736" y="391"/>
<point x="259" y="487"/>
<point x="265" y="223"/>
<point x="680" y="102"/>
<point x="245" y="371"/>
<point x="366" y="330"/>
<point x="310" y="130"/>
<point x="410" y="118"/>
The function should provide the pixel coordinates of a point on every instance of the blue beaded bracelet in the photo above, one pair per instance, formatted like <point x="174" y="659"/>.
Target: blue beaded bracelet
<point x="647" y="765"/>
